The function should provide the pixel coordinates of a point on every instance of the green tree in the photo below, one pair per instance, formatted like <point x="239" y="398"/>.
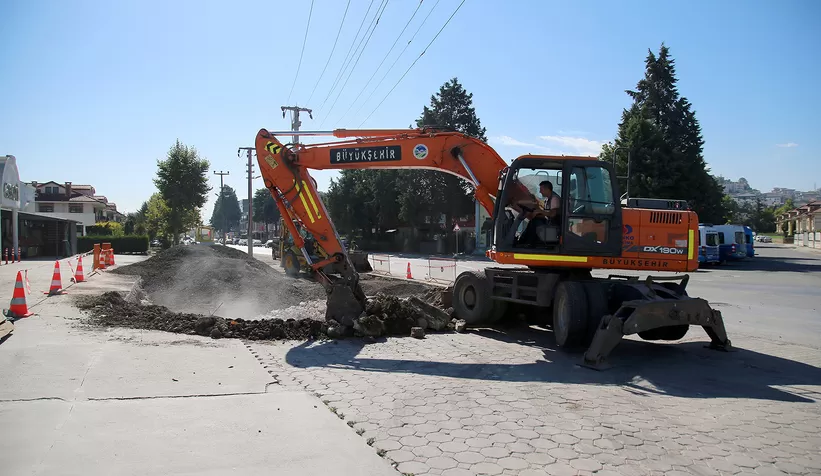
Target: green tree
<point x="450" y="108"/>
<point x="663" y="139"/>
<point x="226" y="214"/>
<point x="265" y="208"/>
<point x="157" y="215"/>
<point x="364" y="201"/>
<point x="731" y="209"/>
<point x="183" y="183"/>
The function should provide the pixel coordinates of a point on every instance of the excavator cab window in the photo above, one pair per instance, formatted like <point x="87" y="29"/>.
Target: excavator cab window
<point x="589" y="219"/>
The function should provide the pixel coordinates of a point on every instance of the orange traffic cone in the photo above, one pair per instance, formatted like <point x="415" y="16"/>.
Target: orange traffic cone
<point x="78" y="275"/>
<point x="56" y="282"/>
<point x="408" y="274"/>
<point x="101" y="260"/>
<point x="110" y="260"/>
<point x="18" y="307"/>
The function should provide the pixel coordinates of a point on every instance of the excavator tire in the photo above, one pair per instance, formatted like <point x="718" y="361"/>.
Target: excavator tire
<point x="290" y="262"/>
<point x="471" y="298"/>
<point x="570" y="314"/>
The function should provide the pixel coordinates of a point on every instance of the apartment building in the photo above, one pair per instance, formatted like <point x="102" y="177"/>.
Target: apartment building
<point x="75" y="202"/>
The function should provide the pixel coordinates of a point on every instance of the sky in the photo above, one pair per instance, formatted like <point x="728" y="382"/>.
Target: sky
<point x="96" y="92"/>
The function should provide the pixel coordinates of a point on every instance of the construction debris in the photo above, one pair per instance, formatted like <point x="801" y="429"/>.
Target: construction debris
<point x="219" y="292"/>
<point x="111" y="309"/>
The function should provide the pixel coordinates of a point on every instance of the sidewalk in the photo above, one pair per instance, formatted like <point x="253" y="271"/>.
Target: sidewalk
<point x="80" y="400"/>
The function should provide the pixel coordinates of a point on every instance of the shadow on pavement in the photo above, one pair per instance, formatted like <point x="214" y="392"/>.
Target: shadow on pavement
<point x="685" y="369"/>
<point x="775" y="263"/>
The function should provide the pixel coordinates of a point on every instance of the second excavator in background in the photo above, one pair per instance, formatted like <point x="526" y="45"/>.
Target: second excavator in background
<point x="553" y="252"/>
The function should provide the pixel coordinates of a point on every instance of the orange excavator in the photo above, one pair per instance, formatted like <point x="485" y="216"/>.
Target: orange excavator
<point x="587" y="226"/>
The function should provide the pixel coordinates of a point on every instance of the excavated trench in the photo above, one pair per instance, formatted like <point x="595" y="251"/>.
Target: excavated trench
<point x="220" y="292"/>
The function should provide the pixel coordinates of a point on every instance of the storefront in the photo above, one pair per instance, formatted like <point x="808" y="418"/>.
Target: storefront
<point x="35" y="234"/>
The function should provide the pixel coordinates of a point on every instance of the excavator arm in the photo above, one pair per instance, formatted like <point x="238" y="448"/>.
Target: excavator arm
<point x="284" y="168"/>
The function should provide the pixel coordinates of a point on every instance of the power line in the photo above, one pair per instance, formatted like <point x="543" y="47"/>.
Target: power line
<point x="345" y="61"/>
<point x="332" y="52"/>
<point x="383" y="59"/>
<point x="304" y="40"/>
<point x="397" y="58"/>
<point x="414" y="62"/>
<point x="352" y="68"/>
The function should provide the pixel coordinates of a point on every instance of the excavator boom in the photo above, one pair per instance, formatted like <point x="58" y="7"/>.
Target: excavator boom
<point x="284" y="168"/>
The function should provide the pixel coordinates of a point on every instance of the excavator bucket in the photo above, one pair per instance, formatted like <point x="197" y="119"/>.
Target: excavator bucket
<point x="344" y="302"/>
<point x="360" y="262"/>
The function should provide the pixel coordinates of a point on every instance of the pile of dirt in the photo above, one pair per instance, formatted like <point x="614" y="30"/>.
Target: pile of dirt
<point x="111" y="309"/>
<point x="386" y="316"/>
<point x="210" y="279"/>
<point x="221" y="292"/>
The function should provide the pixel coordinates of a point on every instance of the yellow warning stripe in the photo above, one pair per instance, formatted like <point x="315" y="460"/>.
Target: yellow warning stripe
<point x="311" y="198"/>
<point x="565" y="258"/>
<point x="305" y="202"/>
<point x="690" y="247"/>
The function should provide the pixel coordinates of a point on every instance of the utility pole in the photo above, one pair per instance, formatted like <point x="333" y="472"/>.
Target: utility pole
<point x="249" y="152"/>
<point x="295" y="122"/>
<point x="222" y="203"/>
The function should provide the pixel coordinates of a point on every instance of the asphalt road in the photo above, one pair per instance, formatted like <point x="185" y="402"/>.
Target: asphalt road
<point x="774" y="295"/>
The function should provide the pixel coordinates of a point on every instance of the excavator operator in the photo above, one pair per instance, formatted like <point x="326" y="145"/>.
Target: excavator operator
<point x="545" y="213"/>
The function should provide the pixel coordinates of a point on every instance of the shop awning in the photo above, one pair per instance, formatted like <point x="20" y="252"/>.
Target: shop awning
<point x="44" y="217"/>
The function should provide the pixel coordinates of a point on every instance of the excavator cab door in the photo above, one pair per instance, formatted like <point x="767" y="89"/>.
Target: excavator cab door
<point x="591" y="218"/>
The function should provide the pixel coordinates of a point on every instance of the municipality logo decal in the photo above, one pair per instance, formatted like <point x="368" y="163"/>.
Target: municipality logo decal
<point x="420" y="151"/>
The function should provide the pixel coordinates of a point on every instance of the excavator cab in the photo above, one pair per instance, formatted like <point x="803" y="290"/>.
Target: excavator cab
<point x="587" y="223"/>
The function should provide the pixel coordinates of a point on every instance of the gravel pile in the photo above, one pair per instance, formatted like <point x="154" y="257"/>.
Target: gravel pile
<point x="220" y="292"/>
<point x="219" y="280"/>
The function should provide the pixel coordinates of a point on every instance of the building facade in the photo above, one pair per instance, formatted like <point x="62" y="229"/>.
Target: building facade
<point x="78" y="203"/>
<point x="22" y="228"/>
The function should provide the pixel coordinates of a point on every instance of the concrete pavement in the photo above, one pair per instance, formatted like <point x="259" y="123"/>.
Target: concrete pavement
<point x="80" y="400"/>
<point x="510" y="403"/>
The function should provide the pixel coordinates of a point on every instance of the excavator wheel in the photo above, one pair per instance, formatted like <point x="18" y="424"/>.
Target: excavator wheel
<point x="291" y="263"/>
<point x="472" y="301"/>
<point x="570" y="314"/>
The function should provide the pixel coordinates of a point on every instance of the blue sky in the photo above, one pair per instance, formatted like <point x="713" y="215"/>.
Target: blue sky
<point x="95" y="92"/>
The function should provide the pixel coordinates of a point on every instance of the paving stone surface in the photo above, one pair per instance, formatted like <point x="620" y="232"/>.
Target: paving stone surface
<point x="494" y="403"/>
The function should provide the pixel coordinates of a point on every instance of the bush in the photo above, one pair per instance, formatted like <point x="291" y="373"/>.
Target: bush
<point x="121" y="244"/>
<point x="106" y="228"/>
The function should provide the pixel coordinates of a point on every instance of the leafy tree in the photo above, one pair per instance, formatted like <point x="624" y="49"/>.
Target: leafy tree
<point x="183" y="184"/>
<point x="265" y="208"/>
<point x="226" y="214"/>
<point x="665" y="144"/>
<point x="157" y="215"/>
<point x="732" y="211"/>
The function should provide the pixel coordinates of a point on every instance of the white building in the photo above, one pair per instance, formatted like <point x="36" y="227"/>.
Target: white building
<point x="22" y="228"/>
<point x="73" y="202"/>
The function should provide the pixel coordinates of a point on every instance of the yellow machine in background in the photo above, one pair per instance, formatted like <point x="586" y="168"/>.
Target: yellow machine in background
<point x="292" y="260"/>
<point x="204" y="234"/>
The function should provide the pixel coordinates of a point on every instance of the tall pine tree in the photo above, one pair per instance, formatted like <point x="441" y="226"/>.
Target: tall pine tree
<point x="665" y="144"/>
<point x="363" y="200"/>
<point x="450" y="108"/>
